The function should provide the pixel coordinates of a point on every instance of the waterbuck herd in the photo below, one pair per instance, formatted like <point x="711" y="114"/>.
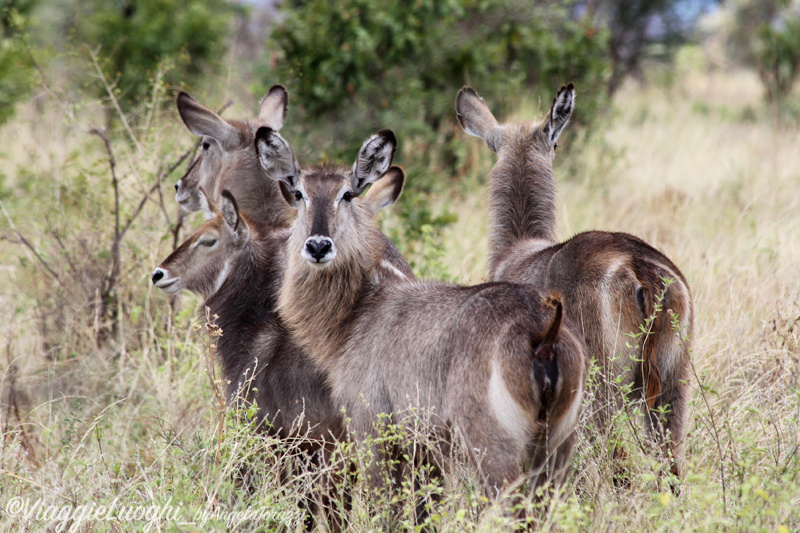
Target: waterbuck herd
<point x="327" y="330"/>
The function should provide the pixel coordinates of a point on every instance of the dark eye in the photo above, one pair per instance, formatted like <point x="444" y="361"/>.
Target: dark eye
<point x="349" y="195"/>
<point x="555" y="147"/>
<point x="208" y="242"/>
<point x="206" y="146"/>
<point x="298" y="195"/>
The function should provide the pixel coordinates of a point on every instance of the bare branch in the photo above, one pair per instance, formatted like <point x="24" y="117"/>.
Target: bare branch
<point x="27" y="244"/>
<point x="93" y="57"/>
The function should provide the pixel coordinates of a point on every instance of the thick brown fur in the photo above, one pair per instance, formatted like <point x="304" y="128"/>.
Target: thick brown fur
<point x="239" y="277"/>
<point x="462" y="355"/>
<point x="613" y="284"/>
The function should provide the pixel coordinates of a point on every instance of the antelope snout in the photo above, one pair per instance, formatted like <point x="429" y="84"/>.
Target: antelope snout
<point x="163" y="281"/>
<point x="319" y="250"/>
<point x="180" y="194"/>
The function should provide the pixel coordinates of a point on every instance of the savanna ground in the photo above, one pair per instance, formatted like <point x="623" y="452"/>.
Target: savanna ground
<point x="693" y="162"/>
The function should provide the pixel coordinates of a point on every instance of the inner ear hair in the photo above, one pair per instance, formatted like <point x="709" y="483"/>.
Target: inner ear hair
<point x="275" y="156"/>
<point x="230" y="210"/>
<point x="374" y="159"/>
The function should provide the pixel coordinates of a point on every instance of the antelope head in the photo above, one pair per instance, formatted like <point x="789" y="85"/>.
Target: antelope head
<point x="202" y="263"/>
<point x="476" y="119"/>
<point x="333" y="210"/>
<point x="222" y="140"/>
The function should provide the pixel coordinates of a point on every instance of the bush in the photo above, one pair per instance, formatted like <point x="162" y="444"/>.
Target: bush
<point x="351" y="60"/>
<point x="354" y="66"/>
<point x="137" y="37"/>
<point x="16" y="69"/>
<point x="777" y="54"/>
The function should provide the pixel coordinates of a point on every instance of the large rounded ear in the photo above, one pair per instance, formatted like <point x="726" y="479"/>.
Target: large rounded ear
<point x="274" y="105"/>
<point x="563" y="104"/>
<point x="230" y="214"/>
<point x="385" y="191"/>
<point x="207" y="205"/>
<point x="473" y="113"/>
<point x="204" y="122"/>
<point x="476" y="119"/>
<point x="276" y="158"/>
<point x="374" y="159"/>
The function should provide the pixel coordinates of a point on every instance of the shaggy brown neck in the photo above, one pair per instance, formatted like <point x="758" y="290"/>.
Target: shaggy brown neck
<point x="248" y="298"/>
<point x="522" y="198"/>
<point x="320" y="306"/>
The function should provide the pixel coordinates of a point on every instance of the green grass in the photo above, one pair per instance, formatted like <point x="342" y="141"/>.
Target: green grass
<point x="699" y="169"/>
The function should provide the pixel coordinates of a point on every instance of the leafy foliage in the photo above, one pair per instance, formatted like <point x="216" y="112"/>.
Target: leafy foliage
<point x="136" y="37"/>
<point x="354" y="67"/>
<point x="765" y="35"/>
<point x="16" y="70"/>
<point x="777" y="53"/>
<point x="348" y="58"/>
<point x="642" y="29"/>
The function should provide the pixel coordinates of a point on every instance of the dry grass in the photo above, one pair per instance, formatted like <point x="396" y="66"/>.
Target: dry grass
<point x="698" y="168"/>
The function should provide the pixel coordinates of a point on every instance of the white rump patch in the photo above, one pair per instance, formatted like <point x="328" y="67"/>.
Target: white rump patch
<point x="506" y="410"/>
<point x="564" y="427"/>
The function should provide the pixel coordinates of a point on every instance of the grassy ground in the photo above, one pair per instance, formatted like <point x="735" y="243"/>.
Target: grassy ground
<point x="697" y="166"/>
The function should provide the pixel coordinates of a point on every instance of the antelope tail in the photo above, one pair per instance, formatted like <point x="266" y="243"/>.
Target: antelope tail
<point x="545" y="363"/>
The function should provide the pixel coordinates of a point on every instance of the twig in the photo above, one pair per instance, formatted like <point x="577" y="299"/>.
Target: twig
<point x="714" y="430"/>
<point x="112" y="278"/>
<point x="23" y="240"/>
<point x="93" y="57"/>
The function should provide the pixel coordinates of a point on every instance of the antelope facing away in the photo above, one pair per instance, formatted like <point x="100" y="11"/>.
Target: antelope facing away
<point x="228" y="159"/>
<point x="614" y="284"/>
<point x="497" y="366"/>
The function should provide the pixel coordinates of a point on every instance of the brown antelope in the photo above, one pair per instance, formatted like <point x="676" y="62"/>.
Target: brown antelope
<point x="228" y="159"/>
<point x="237" y="268"/>
<point x="494" y="364"/>
<point x="614" y="284"/>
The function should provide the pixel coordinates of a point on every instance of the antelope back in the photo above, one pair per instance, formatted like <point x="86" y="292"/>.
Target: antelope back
<point x="228" y="159"/>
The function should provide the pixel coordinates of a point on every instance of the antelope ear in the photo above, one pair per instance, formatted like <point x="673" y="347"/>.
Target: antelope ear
<point x="204" y="122"/>
<point x="385" y="191"/>
<point x="563" y="104"/>
<point x="274" y="105"/>
<point x="276" y="158"/>
<point x="207" y="205"/>
<point x="473" y="113"/>
<point x="230" y="213"/>
<point x="476" y="119"/>
<point x="374" y="159"/>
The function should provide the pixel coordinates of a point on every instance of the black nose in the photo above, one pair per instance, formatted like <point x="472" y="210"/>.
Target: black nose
<point x="157" y="275"/>
<point x="177" y="186"/>
<point x="319" y="248"/>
